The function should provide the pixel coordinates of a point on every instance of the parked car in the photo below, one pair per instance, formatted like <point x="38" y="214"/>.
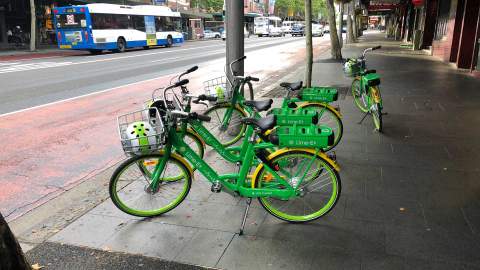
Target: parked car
<point x="245" y="34"/>
<point x="326" y="29"/>
<point x="207" y="33"/>
<point x="317" y="30"/>
<point x="298" y="30"/>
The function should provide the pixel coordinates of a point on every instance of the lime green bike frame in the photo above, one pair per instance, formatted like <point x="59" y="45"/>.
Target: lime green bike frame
<point x="234" y="182"/>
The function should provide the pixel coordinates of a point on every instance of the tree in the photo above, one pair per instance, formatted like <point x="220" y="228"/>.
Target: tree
<point x="336" y="50"/>
<point x="309" y="46"/>
<point x="340" y="23"/>
<point x="350" y="35"/>
<point x="10" y="251"/>
<point x="33" y="26"/>
<point x="216" y="5"/>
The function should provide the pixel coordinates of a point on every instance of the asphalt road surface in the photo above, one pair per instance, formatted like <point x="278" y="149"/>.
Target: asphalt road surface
<point x="35" y="82"/>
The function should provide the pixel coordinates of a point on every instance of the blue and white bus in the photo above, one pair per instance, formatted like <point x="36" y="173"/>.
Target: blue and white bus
<point x="98" y="27"/>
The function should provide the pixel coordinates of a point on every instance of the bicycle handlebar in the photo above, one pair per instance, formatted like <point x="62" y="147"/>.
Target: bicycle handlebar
<point x="370" y="49"/>
<point x="181" y="83"/>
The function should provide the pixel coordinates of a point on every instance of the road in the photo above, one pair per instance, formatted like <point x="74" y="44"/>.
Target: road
<point x="35" y="82"/>
<point x="58" y="115"/>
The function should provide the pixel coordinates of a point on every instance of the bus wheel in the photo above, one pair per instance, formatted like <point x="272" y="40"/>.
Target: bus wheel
<point x="95" y="52"/>
<point x="169" y="41"/>
<point x="121" y="45"/>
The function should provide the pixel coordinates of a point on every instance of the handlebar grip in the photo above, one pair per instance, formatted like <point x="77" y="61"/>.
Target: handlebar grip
<point x="376" y="48"/>
<point x="250" y="78"/>
<point x="200" y="117"/>
<point x="180" y="83"/>
<point x="192" y="69"/>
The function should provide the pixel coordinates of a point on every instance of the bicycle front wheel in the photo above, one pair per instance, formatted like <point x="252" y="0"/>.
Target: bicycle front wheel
<point x="232" y="130"/>
<point x="316" y="195"/>
<point x="359" y="95"/>
<point x="130" y="188"/>
<point x="328" y="118"/>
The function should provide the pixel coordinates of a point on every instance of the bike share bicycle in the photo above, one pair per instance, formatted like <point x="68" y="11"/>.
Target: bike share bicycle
<point x="232" y="106"/>
<point x="295" y="184"/>
<point x="365" y="88"/>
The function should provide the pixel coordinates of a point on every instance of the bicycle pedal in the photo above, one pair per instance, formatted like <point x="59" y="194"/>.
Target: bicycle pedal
<point x="216" y="187"/>
<point x="332" y="155"/>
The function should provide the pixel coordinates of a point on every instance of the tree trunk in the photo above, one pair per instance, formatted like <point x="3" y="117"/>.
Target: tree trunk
<point x="350" y="37"/>
<point x="10" y="251"/>
<point x="33" y="25"/>
<point x="309" y="46"/>
<point x="336" y="50"/>
<point x="355" y="24"/>
<point x="340" y="25"/>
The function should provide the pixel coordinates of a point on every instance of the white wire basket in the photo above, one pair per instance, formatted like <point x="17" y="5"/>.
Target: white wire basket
<point x="141" y="132"/>
<point x="217" y="87"/>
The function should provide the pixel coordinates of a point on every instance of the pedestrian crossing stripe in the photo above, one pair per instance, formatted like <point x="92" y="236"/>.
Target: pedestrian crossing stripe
<point x="15" y="67"/>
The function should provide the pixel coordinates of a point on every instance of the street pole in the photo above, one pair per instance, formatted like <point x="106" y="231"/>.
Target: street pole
<point x="234" y="25"/>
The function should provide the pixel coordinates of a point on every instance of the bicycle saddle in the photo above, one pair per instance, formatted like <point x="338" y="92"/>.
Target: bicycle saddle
<point x="259" y="105"/>
<point x="292" y="86"/>
<point x="263" y="124"/>
<point x="370" y="71"/>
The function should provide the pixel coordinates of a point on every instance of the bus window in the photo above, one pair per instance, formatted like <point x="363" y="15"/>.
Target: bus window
<point x="71" y="20"/>
<point x="138" y="22"/>
<point x="167" y="24"/>
<point x="109" y="21"/>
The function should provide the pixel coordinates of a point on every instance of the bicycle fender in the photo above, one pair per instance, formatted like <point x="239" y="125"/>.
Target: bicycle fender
<point x="181" y="160"/>
<point x="337" y="113"/>
<point x="281" y="151"/>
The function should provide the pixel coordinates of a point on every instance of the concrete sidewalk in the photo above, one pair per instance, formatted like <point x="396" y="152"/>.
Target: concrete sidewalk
<point x="410" y="197"/>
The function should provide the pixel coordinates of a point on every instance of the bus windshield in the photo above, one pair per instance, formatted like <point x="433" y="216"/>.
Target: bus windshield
<point x="76" y="20"/>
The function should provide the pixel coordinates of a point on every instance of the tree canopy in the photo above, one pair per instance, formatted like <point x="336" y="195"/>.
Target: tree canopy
<point x="285" y="8"/>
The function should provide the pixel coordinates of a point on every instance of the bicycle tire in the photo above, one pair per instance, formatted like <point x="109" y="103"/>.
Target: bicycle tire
<point x="338" y="125"/>
<point x="358" y="95"/>
<point x="377" y="118"/>
<point x="134" y="191"/>
<point x="268" y="202"/>
<point x="237" y="135"/>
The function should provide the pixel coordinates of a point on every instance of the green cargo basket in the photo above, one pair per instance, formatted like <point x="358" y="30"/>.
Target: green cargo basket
<point x="319" y="94"/>
<point x="289" y="117"/>
<point x="303" y="136"/>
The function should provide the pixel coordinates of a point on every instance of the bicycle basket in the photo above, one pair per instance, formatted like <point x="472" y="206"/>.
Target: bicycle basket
<point x="218" y="88"/>
<point x="352" y="67"/>
<point x="141" y="132"/>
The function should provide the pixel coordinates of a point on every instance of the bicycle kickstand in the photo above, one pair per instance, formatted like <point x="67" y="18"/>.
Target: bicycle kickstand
<point x="249" y="201"/>
<point x="363" y="118"/>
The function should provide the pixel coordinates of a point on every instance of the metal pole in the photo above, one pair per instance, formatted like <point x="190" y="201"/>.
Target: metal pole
<point x="234" y="21"/>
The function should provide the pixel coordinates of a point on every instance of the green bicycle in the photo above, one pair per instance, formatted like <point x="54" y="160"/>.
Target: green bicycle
<point x="365" y="88"/>
<point x="293" y="184"/>
<point x="226" y="115"/>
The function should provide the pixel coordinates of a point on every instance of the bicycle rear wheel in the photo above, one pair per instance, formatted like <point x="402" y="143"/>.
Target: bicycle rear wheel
<point x="317" y="194"/>
<point x="226" y="133"/>
<point x="130" y="188"/>
<point x="377" y="117"/>
<point x="329" y="118"/>
<point x="376" y="109"/>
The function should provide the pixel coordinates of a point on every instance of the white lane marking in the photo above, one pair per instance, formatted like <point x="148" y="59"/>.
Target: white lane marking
<point x="9" y="63"/>
<point x="74" y="98"/>
<point x="43" y="65"/>
<point x="165" y="59"/>
<point x="33" y="66"/>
